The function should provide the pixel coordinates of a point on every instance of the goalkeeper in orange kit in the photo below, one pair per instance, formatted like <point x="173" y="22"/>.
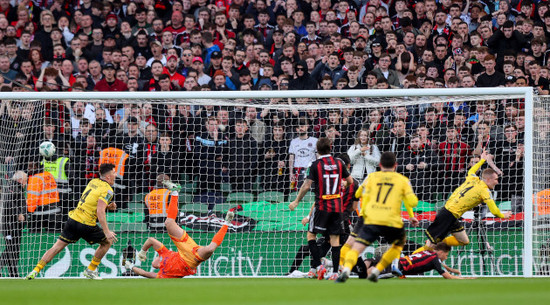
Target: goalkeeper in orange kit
<point x="189" y="256"/>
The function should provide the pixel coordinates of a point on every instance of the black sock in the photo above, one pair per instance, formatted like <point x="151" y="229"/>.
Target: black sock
<point x="315" y="256"/>
<point x="335" y="258"/>
<point x="302" y="253"/>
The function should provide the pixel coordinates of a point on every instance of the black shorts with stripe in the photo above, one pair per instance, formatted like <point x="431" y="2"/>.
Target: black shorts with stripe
<point x="444" y="224"/>
<point x="74" y="230"/>
<point x="370" y="233"/>
<point x="326" y="223"/>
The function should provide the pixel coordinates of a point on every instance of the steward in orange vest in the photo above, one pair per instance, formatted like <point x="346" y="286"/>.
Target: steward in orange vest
<point x="156" y="203"/>
<point x="43" y="203"/>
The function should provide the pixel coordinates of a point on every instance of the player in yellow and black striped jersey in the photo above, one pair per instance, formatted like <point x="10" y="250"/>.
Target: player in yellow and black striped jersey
<point x="381" y="196"/>
<point x="82" y="222"/>
<point x="468" y="195"/>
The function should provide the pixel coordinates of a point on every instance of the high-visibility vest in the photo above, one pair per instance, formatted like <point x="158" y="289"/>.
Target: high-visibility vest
<point x="542" y="201"/>
<point x="41" y="191"/>
<point x="157" y="203"/>
<point x="57" y="169"/>
<point x="117" y="157"/>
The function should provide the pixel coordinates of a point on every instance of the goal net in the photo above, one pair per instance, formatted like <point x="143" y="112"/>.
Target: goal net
<point x="248" y="152"/>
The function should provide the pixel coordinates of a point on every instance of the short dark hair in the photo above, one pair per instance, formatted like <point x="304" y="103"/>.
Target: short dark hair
<point x="323" y="146"/>
<point x="345" y="158"/>
<point x="105" y="168"/>
<point x="387" y="160"/>
<point x="441" y="246"/>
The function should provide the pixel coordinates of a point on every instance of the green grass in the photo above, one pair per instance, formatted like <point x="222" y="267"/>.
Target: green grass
<point x="500" y="291"/>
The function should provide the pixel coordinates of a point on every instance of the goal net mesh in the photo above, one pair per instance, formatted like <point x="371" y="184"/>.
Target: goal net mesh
<point x="250" y="156"/>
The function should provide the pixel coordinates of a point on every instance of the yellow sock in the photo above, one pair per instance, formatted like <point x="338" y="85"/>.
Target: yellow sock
<point x="388" y="257"/>
<point x="351" y="259"/>
<point x="343" y="252"/>
<point x="424" y="248"/>
<point x="40" y="266"/>
<point x="94" y="263"/>
<point x="452" y="241"/>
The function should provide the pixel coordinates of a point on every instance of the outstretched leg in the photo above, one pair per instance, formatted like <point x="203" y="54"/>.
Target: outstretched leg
<point x="207" y="251"/>
<point x="46" y="258"/>
<point x="171" y="226"/>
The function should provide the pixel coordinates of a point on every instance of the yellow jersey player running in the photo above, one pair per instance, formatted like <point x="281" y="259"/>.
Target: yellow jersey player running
<point x="467" y="196"/>
<point x="381" y="196"/>
<point x="82" y="223"/>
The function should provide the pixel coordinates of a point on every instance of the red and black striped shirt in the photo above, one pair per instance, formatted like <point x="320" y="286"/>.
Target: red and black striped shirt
<point x="420" y="263"/>
<point x="327" y="173"/>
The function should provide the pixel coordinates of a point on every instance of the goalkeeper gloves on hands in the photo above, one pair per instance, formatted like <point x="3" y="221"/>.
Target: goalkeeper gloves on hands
<point x="128" y="265"/>
<point x="142" y="255"/>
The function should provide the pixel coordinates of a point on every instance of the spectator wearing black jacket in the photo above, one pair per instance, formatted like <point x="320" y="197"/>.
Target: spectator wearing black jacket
<point x="506" y="38"/>
<point x="243" y="158"/>
<point x="491" y="77"/>
<point x="302" y="80"/>
<point x="13" y="216"/>
<point x="210" y="153"/>
<point x="165" y="160"/>
<point x="418" y="163"/>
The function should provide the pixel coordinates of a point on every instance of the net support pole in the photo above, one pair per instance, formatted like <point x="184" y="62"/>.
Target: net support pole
<point x="528" y="187"/>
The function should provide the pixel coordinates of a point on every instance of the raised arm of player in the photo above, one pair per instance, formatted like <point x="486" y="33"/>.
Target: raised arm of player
<point x="476" y="167"/>
<point x="410" y="201"/>
<point x="306" y="186"/>
<point x="101" y="217"/>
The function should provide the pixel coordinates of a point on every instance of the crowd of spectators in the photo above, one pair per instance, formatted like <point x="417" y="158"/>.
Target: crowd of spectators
<point x="195" y="45"/>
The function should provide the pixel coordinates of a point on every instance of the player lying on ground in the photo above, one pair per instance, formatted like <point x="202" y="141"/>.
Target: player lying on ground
<point x="420" y="263"/>
<point x="82" y="223"/>
<point x="382" y="193"/>
<point x="468" y="195"/>
<point x="189" y="256"/>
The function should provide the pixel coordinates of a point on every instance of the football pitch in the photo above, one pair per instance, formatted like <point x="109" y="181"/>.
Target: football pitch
<point x="245" y="291"/>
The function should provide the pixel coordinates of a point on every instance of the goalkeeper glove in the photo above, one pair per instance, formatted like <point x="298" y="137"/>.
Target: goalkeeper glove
<point x="142" y="255"/>
<point x="128" y="265"/>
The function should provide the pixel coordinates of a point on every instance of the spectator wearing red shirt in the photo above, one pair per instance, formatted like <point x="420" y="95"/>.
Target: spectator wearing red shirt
<point x="454" y="156"/>
<point x="176" y="27"/>
<point x="109" y="82"/>
<point x="171" y="66"/>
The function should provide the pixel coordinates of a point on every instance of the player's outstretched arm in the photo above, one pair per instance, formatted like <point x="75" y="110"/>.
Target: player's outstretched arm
<point x="496" y="211"/>
<point x="451" y="270"/>
<point x="449" y="276"/>
<point x="303" y="190"/>
<point x="139" y="271"/>
<point x="150" y="242"/>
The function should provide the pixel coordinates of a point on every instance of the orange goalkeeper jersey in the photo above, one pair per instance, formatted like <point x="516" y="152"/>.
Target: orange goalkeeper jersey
<point x="172" y="265"/>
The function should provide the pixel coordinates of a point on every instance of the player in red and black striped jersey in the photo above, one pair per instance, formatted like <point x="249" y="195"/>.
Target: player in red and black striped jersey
<point x="325" y="176"/>
<point x="422" y="262"/>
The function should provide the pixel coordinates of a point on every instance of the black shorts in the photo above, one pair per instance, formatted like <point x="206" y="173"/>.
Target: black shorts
<point x="326" y="223"/>
<point x="370" y="233"/>
<point x="444" y="224"/>
<point x="74" y="230"/>
<point x="357" y="228"/>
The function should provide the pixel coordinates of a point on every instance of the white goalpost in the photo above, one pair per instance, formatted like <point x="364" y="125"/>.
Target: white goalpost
<point x="233" y="151"/>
